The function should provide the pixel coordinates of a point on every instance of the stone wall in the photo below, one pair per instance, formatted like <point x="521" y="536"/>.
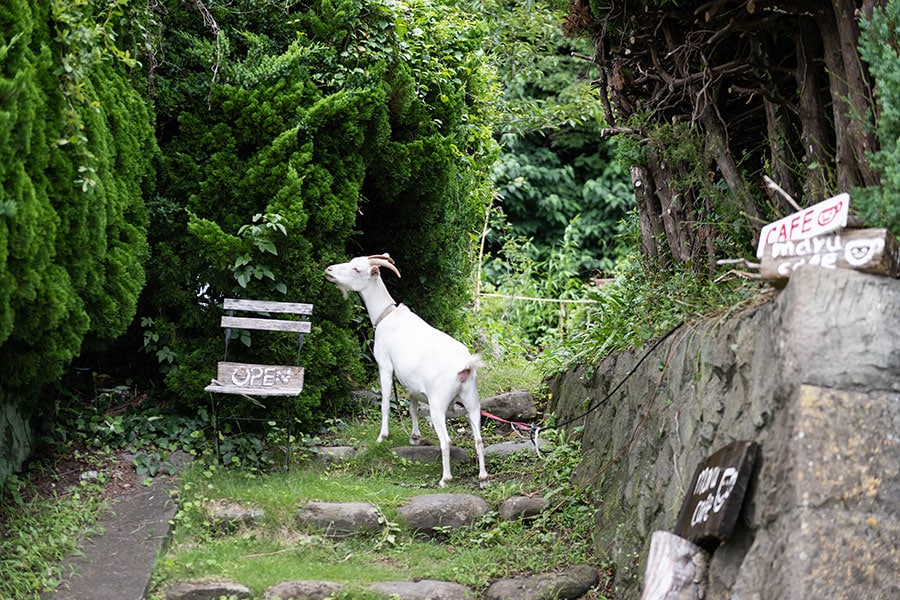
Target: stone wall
<point x="813" y="376"/>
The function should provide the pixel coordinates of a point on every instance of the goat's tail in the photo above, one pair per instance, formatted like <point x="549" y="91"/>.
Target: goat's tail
<point x="474" y="363"/>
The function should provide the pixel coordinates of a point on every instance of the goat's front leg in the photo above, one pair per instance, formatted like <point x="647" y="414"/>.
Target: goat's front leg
<point x="439" y="422"/>
<point x="387" y="381"/>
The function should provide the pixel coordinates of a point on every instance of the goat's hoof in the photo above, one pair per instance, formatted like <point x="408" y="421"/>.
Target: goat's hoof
<point x="380" y="439"/>
<point x="484" y="483"/>
<point x="443" y="483"/>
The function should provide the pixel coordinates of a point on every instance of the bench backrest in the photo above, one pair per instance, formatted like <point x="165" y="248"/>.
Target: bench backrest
<point x="254" y="379"/>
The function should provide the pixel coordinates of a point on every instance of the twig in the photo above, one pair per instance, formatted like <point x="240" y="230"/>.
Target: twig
<point x="741" y="274"/>
<point x="738" y="261"/>
<point x="774" y="186"/>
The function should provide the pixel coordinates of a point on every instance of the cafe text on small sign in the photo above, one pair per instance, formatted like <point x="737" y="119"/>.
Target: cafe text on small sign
<point x="716" y="494"/>
<point x="824" y="217"/>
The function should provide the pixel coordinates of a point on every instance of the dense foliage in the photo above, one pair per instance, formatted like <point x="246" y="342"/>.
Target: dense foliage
<point x="76" y="141"/>
<point x="295" y="135"/>
<point x="556" y="172"/>
<point x="879" y="48"/>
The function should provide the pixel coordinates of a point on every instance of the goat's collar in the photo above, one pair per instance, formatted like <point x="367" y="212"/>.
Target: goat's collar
<point x="384" y="314"/>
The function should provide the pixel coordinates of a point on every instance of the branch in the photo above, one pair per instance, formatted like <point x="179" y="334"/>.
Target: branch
<point x="774" y="186"/>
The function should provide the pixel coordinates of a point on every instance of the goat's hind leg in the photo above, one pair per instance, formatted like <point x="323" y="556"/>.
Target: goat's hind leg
<point x="473" y="410"/>
<point x="439" y="422"/>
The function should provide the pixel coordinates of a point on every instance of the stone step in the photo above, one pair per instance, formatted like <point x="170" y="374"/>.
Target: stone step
<point x="569" y="584"/>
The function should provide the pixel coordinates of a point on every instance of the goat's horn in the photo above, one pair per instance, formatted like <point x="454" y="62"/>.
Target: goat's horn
<point x="387" y="263"/>
<point x="384" y="256"/>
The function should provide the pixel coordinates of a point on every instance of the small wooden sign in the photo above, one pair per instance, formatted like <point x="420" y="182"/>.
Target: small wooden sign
<point x="259" y="380"/>
<point x="714" y="500"/>
<point x="870" y="250"/>
<point x="824" y="217"/>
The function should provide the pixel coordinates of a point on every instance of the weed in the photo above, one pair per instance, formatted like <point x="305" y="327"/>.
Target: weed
<point x="37" y="534"/>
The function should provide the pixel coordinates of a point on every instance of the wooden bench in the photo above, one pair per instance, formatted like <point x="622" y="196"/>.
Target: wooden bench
<point x="251" y="380"/>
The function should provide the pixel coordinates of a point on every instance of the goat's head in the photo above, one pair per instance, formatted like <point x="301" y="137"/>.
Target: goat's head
<point x="359" y="273"/>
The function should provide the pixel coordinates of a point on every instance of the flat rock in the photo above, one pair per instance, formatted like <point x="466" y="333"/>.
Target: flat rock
<point x="425" y="589"/>
<point x="572" y="583"/>
<point x="340" y="519"/>
<point x="303" y="590"/>
<point x="207" y="591"/>
<point x="226" y="515"/>
<point x="428" y="454"/>
<point x="517" y="405"/>
<point x="511" y="448"/>
<point x="521" y="507"/>
<point x="334" y="454"/>
<point x="429" y="512"/>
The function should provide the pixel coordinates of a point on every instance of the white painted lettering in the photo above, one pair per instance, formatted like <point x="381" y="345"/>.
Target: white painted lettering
<point x="707" y="480"/>
<point x="701" y="511"/>
<point x="240" y="381"/>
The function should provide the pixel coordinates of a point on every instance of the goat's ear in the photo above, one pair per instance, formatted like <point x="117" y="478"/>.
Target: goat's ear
<point x="374" y="272"/>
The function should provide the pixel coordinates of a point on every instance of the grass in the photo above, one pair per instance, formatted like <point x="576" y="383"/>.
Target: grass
<point x="39" y="529"/>
<point x="277" y="549"/>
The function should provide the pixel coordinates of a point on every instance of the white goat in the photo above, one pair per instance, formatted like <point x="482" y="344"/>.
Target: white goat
<point x="429" y="364"/>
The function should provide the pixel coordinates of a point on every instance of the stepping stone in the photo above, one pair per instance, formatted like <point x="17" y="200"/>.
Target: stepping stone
<point x="429" y="454"/>
<point x="340" y="519"/>
<point x="517" y="405"/>
<point x="226" y="515"/>
<point x="303" y="590"/>
<point x="207" y="591"/>
<point x="334" y="454"/>
<point x="429" y="512"/>
<point x="572" y="583"/>
<point x="521" y="507"/>
<point x="425" y="589"/>
<point x="511" y="448"/>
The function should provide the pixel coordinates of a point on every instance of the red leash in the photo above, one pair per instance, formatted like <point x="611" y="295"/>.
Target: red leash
<point x="515" y="424"/>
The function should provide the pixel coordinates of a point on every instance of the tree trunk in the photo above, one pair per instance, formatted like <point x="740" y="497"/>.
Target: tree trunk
<point x="649" y="214"/>
<point x="813" y="126"/>
<point x="859" y="132"/>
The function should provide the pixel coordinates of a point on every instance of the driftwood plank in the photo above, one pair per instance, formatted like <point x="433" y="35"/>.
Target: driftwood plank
<point x="869" y="250"/>
<point x="716" y="495"/>
<point x="267" y="324"/>
<point x="267" y="306"/>
<point x="256" y="380"/>
<point x="676" y="569"/>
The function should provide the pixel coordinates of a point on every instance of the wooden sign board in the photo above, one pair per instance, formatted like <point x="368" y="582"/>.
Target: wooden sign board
<point x="824" y="217"/>
<point x="716" y="494"/>
<point x="870" y="250"/>
<point x="257" y="380"/>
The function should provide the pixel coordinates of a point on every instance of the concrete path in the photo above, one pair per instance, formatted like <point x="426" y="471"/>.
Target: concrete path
<point x="116" y="565"/>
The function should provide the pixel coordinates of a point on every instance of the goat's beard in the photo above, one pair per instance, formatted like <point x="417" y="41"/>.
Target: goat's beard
<point x="344" y="290"/>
